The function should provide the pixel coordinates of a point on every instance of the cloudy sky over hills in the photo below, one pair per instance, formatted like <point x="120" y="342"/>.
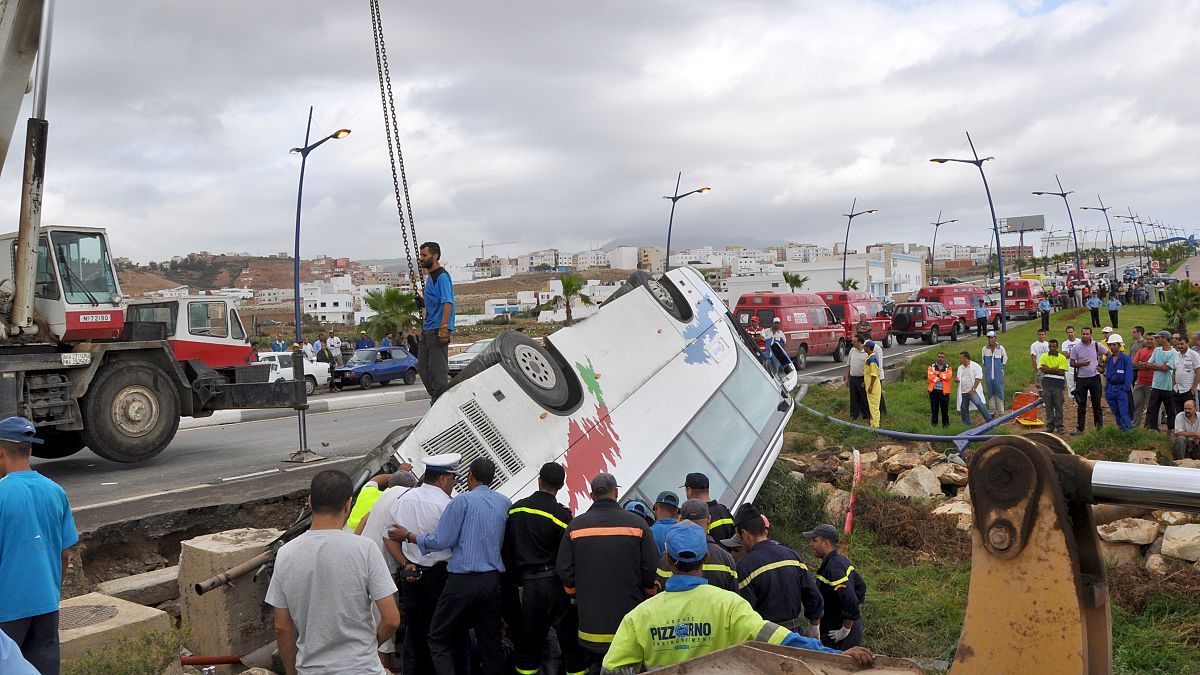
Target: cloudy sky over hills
<point x="563" y="124"/>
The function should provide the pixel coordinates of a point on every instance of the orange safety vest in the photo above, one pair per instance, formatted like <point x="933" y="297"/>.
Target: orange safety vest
<point x="933" y="375"/>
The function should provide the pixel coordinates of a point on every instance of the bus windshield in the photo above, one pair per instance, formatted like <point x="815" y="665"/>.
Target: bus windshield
<point x="84" y="266"/>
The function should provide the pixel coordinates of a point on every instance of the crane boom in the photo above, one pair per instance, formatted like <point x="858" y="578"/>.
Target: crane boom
<point x="20" y="26"/>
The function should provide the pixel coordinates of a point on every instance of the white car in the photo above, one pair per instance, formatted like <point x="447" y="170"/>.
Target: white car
<point x="316" y="373"/>
<point x="460" y="361"/>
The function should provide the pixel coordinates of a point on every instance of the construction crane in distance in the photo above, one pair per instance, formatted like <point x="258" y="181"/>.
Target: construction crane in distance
<point x="483" y="244"/>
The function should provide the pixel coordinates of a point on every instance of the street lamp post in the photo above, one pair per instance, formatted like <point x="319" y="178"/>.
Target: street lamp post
<point x="845" y="244"/>
<point x="1132" y="220"/>
<point x="671" y="221"/>
<point x="936" y="226"/>
<point x="304" y="454"/>
<point x="995" y="223"/>
<point x="1063" y="193"/>
<point x="1112" y="242"/>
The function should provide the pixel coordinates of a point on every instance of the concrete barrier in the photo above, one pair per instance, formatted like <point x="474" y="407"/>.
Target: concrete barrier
<point x="95" y="621"/>
<point x="147" y="588"/>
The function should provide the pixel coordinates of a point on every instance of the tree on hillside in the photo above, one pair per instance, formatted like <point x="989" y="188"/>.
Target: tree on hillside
<point x="794" y="281"/>
<point x="394" y="309"/>
<point x="572" y="287"/>
<point x="1181" y="306"/>
<point x="849" y="284"/>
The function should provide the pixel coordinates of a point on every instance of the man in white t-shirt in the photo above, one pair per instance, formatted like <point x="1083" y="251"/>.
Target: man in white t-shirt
<point x="323" y="587"/>
<point x="970" y="382"/>
<point x="1185" y="366"/>
<point x="1065" y="348"/>
<point x="335" y="347"/>
<point x="1039" y="347"/>
<point x="373" y="528"/>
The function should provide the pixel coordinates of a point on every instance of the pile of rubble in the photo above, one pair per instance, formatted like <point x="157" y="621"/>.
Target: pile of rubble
<point x="1159" y="541"/>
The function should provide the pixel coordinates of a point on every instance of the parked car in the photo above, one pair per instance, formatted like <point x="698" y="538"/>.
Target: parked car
<point x="934" y="281"/>
<point x="316" y="373"/>
<point x="1022" y="297"/>
<point x="376" y="365"/>
<point x="848" y="306"/>
<point x="925" y="320"/>
<point x="460" y="361"/>
<point x="961" y="300"/>
<point x="1132" y="272"/>
<point x="951" y="280"/>
<point x="810" y="326"/>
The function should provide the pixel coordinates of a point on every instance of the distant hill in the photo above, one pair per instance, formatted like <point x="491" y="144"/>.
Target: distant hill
<point x="220" y="271"/>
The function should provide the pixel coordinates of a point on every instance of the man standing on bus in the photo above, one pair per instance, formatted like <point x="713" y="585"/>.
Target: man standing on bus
<point x="433" y="355"/>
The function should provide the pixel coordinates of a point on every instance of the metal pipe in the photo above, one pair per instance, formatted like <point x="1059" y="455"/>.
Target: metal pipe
<point x="29" y="225"/>
<point x="43" y="61"/>
<point x="1156" y="487"/>
<point x="234" y="572"/>
<point x="228" y="660"/>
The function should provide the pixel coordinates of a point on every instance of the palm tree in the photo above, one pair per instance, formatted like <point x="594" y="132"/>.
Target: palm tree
<point x="848" y="284"/>
<point x="794" y="281"/>
<point x="395" y="311"/>
<point x="572" y="287"/>
<point x="1180" y="306"/>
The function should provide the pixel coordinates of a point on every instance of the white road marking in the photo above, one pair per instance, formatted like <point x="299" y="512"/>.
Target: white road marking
<point x="126" y="500"/>
<point x="327" y="460"/>
<point x="249" y="475"/>
<point x="404" y="419"/>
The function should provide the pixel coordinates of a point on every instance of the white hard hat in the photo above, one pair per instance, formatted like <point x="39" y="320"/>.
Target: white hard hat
<point x="1115" y="338"/>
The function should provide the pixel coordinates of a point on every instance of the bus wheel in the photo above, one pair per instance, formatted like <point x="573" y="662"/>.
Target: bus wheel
<point x="528" y="363"/>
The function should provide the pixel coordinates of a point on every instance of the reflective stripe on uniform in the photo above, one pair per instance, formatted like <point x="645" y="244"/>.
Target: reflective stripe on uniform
<point x="596" y="637"/>
<point x="721" y="568"/>
<point x="666" y="574"/>
<point x="718" y="523"/>
<point x="577" y="672"/>
<point x="607" y="532"/>
<point x="835" y="582"/>
<point x="522" y="671"/>
<point x="536" y="512"/>
<point x="768" y="567"/>
<point x="771" y="633"/>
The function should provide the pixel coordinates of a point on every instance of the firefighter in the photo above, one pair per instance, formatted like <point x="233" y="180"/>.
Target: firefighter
<point x="531" y="540"/>
<point x="842" y="589"/>
<point x="721" y="521"/>
<point x="719" y="569"/>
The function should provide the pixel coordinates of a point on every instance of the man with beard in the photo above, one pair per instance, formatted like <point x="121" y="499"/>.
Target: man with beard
<point x="433" y="353"/>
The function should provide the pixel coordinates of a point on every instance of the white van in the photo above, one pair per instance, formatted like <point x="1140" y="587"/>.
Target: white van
<point x="660" y="382"/>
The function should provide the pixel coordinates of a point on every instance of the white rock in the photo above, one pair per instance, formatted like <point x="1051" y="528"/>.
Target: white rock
<point x="951" y="474"/>
<point x="796" y="476"/>
<point x="1120" y="555"/>
<point x="918" y="482"/>
<point x="1187" y="463"/>
<point x="959" y="509"/>
<point x="1143" y="457"/>
<point x="886" y="451"/>
<point x="1182" y="541"/>
<point x="837" y="503"/>
<point x="1172" y="517"/>
<point x="902" y="461"/>
<point x="868" y="459"/>
<point x="1129" y="531"/>
<point x="1156" y="563"/>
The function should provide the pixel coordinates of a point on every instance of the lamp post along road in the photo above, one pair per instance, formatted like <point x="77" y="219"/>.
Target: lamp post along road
<point x="1070" y="217"/>
<point x="995" y="223"/>
<point x="1112" y="242"/>
<point x="846" y="244"/>
<point x="933" y="251"/>
<point x="304" y="454"/>
<point x="671" y="221"/>
<point x="1132" y="220"/>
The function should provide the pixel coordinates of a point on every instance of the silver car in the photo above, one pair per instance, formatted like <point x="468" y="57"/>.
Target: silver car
<point x="460" y="361"/>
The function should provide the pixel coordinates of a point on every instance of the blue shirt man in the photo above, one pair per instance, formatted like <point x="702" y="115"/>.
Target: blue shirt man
<point x="1118" y="374"/>
<point x="36" y="528"/>
<point x="1114" y="304"/>
<point x="433" y="355"/>
<point x="364" y="341"/>
<point x="1094" y="302"/>
<point x="278" y="346"/>
<point x="1044" y="306"/>
<point x="981" y="311"/>
<point x="439" y="291"/>
<point x="666" y="514"/>
<point x="385" y="342"/>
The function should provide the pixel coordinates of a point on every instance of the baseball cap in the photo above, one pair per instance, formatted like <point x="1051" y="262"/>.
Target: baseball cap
<point x="403" y="479"/>
<point x="777" y="320"/>
<point x="667" y="498"/>
<point x="733" y="542"/>
<point x="686" y="542"/>
<point x="18" y="430"/>
<point x="553" y="473"/>
<point x="693" y="509"/>
<point x="746" y="513"/>
<point x="991" y="333"/>
<point x="639" y="507"/>
<point x="1163" y="334"/>
<point x="1115" y="339"/>
<point x="1106" y="330"/>
<point x="823" y="531"/>
<point x="869" y="344"/>
<point x="696" y="481"/>
<point x="604" y="483"/>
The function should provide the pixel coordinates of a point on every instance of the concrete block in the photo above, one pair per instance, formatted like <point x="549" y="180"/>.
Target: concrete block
<point x="95" y="621"/>
<point x="147" y="588"/>
<point x="228" y="620"/>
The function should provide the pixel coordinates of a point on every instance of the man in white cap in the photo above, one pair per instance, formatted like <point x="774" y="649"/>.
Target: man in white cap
<point x="419" y="510"/>
<point x="774" y="336"/>
<point x="1118" y="375"/>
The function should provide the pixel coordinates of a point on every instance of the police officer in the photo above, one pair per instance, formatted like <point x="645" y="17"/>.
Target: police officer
<point x="696" y="487"/>
<point x="772" y="577"/>
<point x="719" y="569"/>
<point x="532" y="536"/>
<point x="842" y="589"/>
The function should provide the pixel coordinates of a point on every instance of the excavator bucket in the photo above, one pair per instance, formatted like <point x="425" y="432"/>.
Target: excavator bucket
<point x="757" y="658"/>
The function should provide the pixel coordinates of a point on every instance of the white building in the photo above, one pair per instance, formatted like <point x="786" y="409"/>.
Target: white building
<point x="881" y="273"/>
<point x="237" y="293"/>
<point x="623" y="258"/>
<point x="274" y="296"/>
<point x="589" y="259"/>
<point x="331" y="307"/>
<point x="1052" y="246"/>
<point x="804" y="252"/>
<point x="652" y="259"/>
<point x="546" y="258"/>
<point x="177" y="292"/>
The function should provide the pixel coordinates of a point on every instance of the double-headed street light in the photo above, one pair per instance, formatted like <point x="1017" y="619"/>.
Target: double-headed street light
<point x="849" y="218"/>
<point x="1112" y="242"/>
<point x="671" y="221"/>
<point x="1063" y="193"/>
<point x="1132" y="220"/>
<point x="995" y="223"/>
<point x="936" y="225"/>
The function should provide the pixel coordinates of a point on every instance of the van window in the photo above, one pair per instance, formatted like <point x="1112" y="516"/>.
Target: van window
<point x="765" y="317"/>
<point x="830" y="319"/>
<point x="839" y="312"/>
<point x="817" y="318"/>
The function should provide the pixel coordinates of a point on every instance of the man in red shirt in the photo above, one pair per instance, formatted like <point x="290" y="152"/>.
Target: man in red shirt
<point x="1141" y="386"/>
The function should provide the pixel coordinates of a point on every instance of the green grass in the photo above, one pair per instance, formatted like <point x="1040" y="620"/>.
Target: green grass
<point x="1163" y="638"/>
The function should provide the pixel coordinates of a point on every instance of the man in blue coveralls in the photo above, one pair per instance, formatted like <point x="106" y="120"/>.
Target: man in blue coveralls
<point x="433" y="353"/>
<point x="1117" y="375"/>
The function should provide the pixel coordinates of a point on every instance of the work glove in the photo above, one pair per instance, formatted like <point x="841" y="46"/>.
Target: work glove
<point x="813" y="631"/>
<point x="444" y="335"/>
<point x="839" y="634"/>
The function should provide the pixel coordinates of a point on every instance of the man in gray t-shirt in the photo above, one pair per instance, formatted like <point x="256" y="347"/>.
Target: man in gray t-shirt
<point x="324" y="584"/>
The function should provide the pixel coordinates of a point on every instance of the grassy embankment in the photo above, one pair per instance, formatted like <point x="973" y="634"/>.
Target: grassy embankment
<point x="918" y="566"/>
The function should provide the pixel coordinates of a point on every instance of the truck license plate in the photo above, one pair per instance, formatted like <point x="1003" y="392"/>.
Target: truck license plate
<point x="95" y="318"/>
<point x="76" y="358"/>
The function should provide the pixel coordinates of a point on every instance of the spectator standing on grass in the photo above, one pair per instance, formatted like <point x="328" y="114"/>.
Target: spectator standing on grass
<point x="981" y="317"/>
<point x="1053" y="367"/>
<point x="871" y="373"/>
<point x="1139" y="340"/>
<point x="1186" y="363"/>
<point x="969" y="378"/>
<point x="1117" y="374"/>
<point x="324" y="584"/>
<point x="1114" y="307"/>
<point x="1065" y="348"/>
<point x="995" y="358"/>
<point x="856" y="361"/>
<point x="939" y="375"/>
<point x="1039" y="347"/>
<point x="1085" y="359"/>
<point x="36" y="530"/>
<point x="1044" y="309"/>
<point x="1093" y="304"/>
<point x="1162" y="395"/>
<point x="1187" y="433"/>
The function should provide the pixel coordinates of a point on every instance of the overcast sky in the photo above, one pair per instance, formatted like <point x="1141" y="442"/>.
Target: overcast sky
<point x="563" y="123"/>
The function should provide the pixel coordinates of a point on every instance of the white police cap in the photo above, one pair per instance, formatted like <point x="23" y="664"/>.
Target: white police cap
<point x="447" y="463"/>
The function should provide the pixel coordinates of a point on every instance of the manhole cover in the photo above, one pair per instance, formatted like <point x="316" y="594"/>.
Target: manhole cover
<point x="82" y="616"/>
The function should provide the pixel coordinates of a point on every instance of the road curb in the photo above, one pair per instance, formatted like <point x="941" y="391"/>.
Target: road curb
<point x="331" y="405"/>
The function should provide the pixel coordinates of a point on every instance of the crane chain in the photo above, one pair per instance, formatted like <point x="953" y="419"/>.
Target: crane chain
<point x="395" y="154"/>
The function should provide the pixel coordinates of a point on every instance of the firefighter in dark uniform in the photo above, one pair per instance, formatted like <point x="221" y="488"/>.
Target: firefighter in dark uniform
<point x="842" y="589"/>
<point x="606" y="562"/>
<point x="532" y="536"/>
<point x="719" y="569"/>
<point x="721" y="521"/>
<point x="772" y="577"/>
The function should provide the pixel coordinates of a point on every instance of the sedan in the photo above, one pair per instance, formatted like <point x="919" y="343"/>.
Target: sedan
<point x="460" y="361"/>
<point x="377" y="365"/>
<point x="315" y="373"/>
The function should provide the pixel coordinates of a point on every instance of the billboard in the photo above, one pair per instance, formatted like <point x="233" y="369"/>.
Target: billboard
<point x="1018" y="224"/>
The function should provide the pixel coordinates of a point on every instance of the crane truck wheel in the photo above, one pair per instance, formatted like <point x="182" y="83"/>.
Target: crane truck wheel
<point x="58" y="444"/>
<point x="131" y="412"/>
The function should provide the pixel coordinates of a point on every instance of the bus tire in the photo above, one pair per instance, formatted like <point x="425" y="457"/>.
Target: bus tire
<point x="662" y="290"/>
<point x="131" y="412"/>
<point x="528" y="363"/>
<point x="58" y="444"/>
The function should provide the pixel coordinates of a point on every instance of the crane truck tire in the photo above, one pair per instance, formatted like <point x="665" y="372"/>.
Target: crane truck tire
<point x="131" y="412"/>
<point x="58" y="444"/>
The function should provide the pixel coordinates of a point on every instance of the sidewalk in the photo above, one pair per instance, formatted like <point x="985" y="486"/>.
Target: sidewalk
<point x="363" y="400"/>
